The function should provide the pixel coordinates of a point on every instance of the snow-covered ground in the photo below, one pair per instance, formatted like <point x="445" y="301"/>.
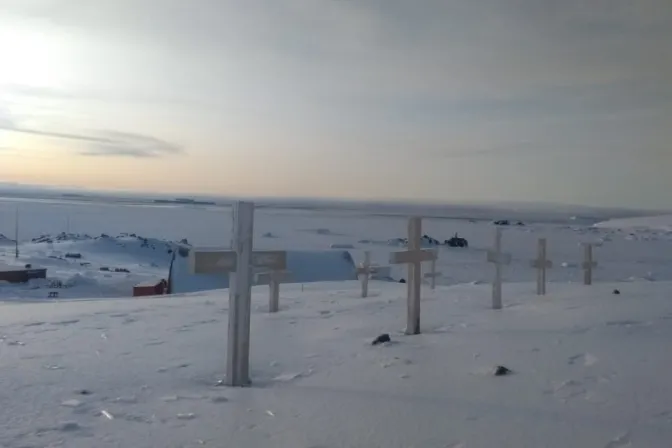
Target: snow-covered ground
<point x="590" y="370"/>
<point x="642" y="223"/>
<point x="589" y="366"/>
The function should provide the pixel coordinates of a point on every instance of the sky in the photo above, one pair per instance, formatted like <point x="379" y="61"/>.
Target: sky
<point x="455" y="100"/>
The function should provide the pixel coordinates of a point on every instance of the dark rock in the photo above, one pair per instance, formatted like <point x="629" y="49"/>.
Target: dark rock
<point x="28" y="266"/>
<point x="84" y="392"/>
<point x="402" y="281"/>
<point x="503" y="222"/>
<point x="73" y="255"/>
<point x="502" y="371"/>
<point x="520" y="223"/>
<point x="617" y="292"/>
<point x="381" y="339"/>
<point x="456" y="241"/>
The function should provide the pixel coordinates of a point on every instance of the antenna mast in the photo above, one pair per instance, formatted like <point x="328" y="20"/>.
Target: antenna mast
<point x="16" y="233"/>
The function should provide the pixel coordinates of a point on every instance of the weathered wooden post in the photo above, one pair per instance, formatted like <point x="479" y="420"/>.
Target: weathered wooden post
<point x="541" y="264"/>
<point x="238" y="263"/>
<point x="499" y="259"/>
<point x="240" y="297"/>
<point x="433" y="274"/>
<point x="364" y="271"/>
<point x="413" y="257"/>
<point x="588" y="263"/>
<point x="273" y="279"/>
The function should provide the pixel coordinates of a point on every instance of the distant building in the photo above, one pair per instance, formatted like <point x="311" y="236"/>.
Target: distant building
<point x="153" y="288"/>
<point x="18" y="274"/>
<point x="305" y="267"/>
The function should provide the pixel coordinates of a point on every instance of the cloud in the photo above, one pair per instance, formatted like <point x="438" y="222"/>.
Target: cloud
<point x="124" y="144"/>
<point x="102" y="143"/>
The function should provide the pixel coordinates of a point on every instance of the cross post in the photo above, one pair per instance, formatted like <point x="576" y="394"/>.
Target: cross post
<point x="364" y="270"/>
<point x="238" y="262"/>
<point x="273" y="279"/>
<point x="588" y="264"/>
<point x="432" y="274"/>
<point x="541" y="264"/>
<point x="499" y="259"/>
<point x="413" y="257"/>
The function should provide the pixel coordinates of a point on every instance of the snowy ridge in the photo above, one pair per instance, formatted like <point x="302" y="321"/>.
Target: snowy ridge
<point x="660" y="222"/>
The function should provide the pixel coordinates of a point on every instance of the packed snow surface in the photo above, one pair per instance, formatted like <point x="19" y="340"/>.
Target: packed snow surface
<point x="589" y="370"/>
<point x="588" y="366"/>
<point x="659" y="222"/>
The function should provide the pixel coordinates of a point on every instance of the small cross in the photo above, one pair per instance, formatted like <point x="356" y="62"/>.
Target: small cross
<point x="413" y="257"/>
<point x="541" y="264"/>
<point x="238" y="262"/>
<point x="499" y="259"/>
<point x="273" y="279"/>
<point x="433" y="274"/>
<point x="364" y="270"/>
<point x="588" y="264"/>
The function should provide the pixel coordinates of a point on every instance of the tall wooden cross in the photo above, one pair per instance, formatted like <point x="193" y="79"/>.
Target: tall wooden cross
<point x="273" y="279"/>
<point x="238" y="262"/>
<point x="413" y="257"/>
<point x="499" y="259"/>
<point x="433" y="274"/>
<point x="541" y="264"/>
<point x="588" y="264"/>
<point x="364" y="270"/>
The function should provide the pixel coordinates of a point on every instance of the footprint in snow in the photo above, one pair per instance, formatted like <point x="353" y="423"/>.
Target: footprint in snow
<point x="619" y="442"/>
<point x="290" y="376"/>
<point x="626" y="323"/>
<point x="586" y="358"/>
<point x="65" y="323"/>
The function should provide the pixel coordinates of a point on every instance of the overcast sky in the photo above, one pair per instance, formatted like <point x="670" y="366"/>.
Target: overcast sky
<point x="534" y="100"/>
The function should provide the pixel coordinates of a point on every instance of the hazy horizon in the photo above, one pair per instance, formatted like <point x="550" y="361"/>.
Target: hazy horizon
<point x="450" y="101"/>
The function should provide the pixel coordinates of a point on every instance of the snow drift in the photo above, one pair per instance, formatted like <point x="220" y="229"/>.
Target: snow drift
<point x="660" y="222"/>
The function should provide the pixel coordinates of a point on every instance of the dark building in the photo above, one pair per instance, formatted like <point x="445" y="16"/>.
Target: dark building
<point x="16" y="274"/>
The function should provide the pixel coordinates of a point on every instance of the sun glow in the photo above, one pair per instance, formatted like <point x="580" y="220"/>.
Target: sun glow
<point x="32" y="58"/>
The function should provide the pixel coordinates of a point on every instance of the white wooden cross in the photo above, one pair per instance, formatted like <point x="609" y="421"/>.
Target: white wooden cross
<point x="499" y="259"/>
<point x="432" y="274"/>
<point x="364" y="270"/>
<point x="238" y="262"/>
<point x="273" y="279"/>
<point x="541" y="264"/>
<point x="588" y="264"/>
<point x="413" y="257"/>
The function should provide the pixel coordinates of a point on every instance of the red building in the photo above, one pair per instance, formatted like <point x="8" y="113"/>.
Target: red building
<point x="150" y="289"/>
